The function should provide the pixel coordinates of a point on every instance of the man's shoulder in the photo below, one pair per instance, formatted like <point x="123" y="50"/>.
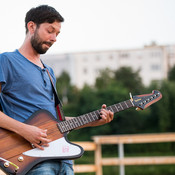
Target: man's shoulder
<point x="7" y="55"/>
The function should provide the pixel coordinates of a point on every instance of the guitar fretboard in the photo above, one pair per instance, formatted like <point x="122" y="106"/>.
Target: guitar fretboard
<point x="76" y="122"/>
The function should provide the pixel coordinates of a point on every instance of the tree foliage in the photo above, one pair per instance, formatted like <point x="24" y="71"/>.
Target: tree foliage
<point x="130" y="79"/>
<point x="171" y="74"/>
<point x="112" y="87"/>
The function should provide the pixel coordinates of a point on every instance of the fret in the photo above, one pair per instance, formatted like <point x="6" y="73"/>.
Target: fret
<point x="131" y="102"/>
<point x="121" y="106"/>
<point x="76" y="122"/>
<point x="96" y="116"/>
<point x="81" y="120"/>
<point x="71" y="124"/>
<point x="62" y="126"/>
<point x="66" y="126"/>
<point x="88" y="117"/>
<point x="116" y="107"/>
<point x="97" y="112"/>
<point x="110" y="108"/>
<point x="93" y="118"/>
<point x="85" y="119"/>
<point x="126" y="104"/>
<point x="78" y="118"/>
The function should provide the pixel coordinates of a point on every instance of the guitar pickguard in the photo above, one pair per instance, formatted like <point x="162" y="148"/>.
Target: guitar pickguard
<point x="58" y="148"/>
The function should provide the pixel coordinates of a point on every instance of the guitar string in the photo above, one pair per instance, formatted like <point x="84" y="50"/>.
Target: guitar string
<point x="115" y="108"/>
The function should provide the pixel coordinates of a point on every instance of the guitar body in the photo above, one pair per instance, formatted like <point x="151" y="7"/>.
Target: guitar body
<point x="14" y="147"/>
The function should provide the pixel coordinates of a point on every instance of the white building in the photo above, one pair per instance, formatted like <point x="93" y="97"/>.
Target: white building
<point x="153" y="62"/>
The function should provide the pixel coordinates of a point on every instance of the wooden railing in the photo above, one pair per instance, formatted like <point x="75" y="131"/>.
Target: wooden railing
<point x="87" y="146"/>
<point x="121" y="161"/>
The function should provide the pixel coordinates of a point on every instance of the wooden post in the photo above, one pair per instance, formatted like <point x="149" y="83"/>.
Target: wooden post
<point x="121" y="156"/>
<point x="98" y="158"/>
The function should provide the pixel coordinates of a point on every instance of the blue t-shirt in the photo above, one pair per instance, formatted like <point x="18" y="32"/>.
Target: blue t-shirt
<point x="25" y="87"/>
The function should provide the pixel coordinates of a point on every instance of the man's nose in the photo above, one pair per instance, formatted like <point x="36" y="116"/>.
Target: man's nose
<point x="53" y="38"/>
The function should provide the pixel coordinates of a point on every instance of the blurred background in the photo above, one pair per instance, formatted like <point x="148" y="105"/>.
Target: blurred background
<point x="106" y="49"/>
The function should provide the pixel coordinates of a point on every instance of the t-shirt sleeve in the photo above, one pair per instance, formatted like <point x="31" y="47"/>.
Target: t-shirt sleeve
<point x="4" y="74"/>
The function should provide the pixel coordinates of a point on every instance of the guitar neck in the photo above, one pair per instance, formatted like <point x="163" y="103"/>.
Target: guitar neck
<point x="76" y="122"/>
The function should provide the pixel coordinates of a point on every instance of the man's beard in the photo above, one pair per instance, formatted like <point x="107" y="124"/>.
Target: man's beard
<point x="37" y="44"/>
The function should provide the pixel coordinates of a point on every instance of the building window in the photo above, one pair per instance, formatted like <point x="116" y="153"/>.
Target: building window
<point x="155" y="54"/>
<point x="85" y="71"/>
<point x="111" y="57"/>
<point x="97" y="58"/>
<point x="155" y="67"/>
<point x="124" y="55"/>
<point x="85" y="59"/>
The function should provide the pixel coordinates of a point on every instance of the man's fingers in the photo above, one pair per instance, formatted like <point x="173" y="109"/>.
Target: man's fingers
<point x="104" y="106"/>
<point x="45" y="141"/>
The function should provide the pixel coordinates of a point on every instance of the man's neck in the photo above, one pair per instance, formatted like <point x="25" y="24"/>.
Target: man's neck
<point x="28" y="52"/>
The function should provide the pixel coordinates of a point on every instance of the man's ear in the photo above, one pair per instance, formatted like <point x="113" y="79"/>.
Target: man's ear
<point x="31" y="27"/>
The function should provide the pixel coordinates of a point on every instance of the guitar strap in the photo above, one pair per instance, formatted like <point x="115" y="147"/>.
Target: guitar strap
<point x="58" y="103"/>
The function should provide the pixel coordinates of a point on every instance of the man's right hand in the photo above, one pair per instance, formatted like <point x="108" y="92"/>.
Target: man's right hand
<point x="36" y="136"/>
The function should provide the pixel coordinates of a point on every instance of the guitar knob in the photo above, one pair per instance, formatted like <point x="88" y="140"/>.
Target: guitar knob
<point x="20" y="159"/>
<point x="6" y="164"/>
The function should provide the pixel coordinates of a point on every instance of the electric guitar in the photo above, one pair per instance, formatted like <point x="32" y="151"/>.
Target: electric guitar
<point x="17" y="155"/>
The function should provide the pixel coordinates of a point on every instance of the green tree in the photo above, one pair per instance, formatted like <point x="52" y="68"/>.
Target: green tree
<point x="63" y="86"/>
<point x="171" y="74"/>
<point x="105" y="79"/>
<point x="130" y="79"/>
<point x="162" y="118"/>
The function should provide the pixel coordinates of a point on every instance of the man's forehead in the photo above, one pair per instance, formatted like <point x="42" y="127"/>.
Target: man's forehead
<point x="55" y="25"/>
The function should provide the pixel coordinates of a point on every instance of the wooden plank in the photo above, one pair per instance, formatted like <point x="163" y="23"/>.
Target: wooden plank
<point x="139" y="161"/>
<point x="98" y="160"/>
<point x="84" y="168"/>
<point x="87" y="146"/>
<point x="135" y="138"/>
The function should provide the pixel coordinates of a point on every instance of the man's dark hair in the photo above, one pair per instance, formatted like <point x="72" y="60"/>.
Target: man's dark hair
<point x="42" y="14"/>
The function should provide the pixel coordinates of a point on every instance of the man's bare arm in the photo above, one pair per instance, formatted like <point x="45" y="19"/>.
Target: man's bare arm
<point x="31" y="133"/>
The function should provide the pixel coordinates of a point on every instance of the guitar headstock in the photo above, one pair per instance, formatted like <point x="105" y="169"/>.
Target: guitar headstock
<point x="145" y="100"/>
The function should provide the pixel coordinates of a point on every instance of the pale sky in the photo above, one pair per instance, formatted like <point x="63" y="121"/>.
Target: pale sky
<point x="92" y="25"/>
